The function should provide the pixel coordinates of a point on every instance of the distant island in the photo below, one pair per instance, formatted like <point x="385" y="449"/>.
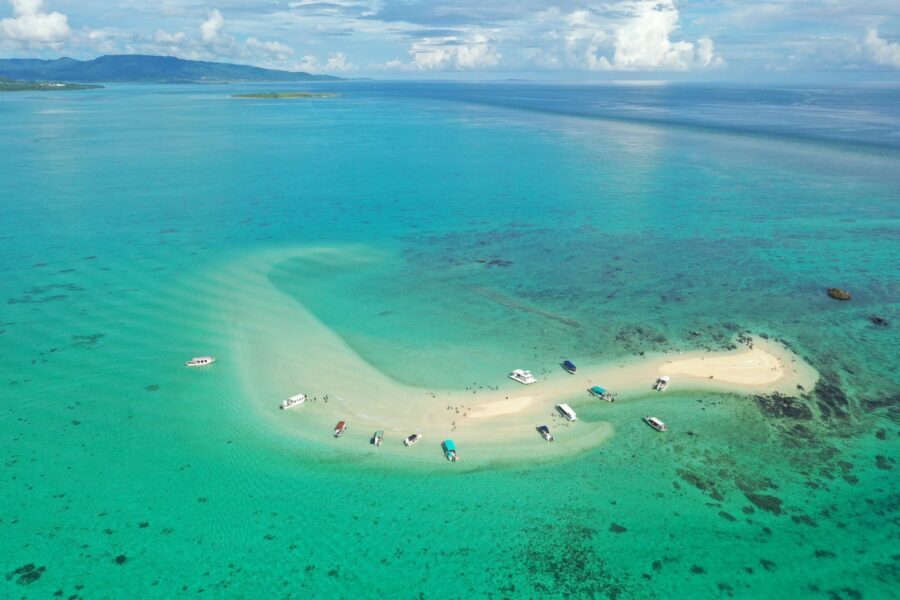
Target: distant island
<point x="140" y="68"/>
<point x="277" y="95"/>
<point x="10" y="85"/>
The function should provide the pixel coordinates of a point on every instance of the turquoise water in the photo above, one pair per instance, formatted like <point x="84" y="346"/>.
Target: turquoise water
<point x="127" y="475"/>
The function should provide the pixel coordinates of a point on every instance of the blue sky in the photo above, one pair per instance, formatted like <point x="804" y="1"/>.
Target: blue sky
<point x="546" y="39"/>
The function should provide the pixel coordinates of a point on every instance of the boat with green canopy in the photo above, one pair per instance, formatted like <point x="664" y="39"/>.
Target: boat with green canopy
<point x="449" y="450"/>
<point x="602" y="393"/>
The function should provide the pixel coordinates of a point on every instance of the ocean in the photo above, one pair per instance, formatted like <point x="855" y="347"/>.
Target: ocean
<point x="472" y="229"/>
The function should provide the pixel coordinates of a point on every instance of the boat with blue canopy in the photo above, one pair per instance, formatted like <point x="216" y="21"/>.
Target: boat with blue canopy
<point x="569" y="366"/>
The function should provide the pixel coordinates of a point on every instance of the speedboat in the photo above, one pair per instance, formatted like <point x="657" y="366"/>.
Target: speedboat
<point x="569" y="366"/>
<point x="662" y="383"/>
<point x="522" y="376"/>
<point x="656" y="423"/>
<point x="545" y="433"/>
<point x="201" y="361"/>
<point x="566" y="411"/>
<point x="449" y="450"/>
<point x="378" y="438"/>
<point x="340" y="428"/>
<point x="293" y="401"/>
<point x="602" y="393"/>
<point x="412" y="439"/>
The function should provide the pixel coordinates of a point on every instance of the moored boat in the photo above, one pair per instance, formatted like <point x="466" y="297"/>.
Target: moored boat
<point x="602" y="393"/>
<point x="662" y="383"/>
<point x="378" y="438"/>
<point x="200" y="361"/>
<point x="522" y="376"/>
<point x="409" y="441"/>
<point x="449" y="450"/>
<point x="545" y="432"/>
<point x="340" y="428"/>
<point x="569" y="366"/>
<point x="566" y="411"/>
<point x="293" y="401"/>
<point x="656" y="423"/>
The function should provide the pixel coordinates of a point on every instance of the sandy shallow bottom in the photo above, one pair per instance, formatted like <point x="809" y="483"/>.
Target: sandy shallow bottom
<point x="282" y="349"/>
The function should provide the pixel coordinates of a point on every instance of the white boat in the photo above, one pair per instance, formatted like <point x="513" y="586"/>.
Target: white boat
<point x="522" y="376"/>
<point x="412" y="439"/>
<point x="293" y="401"/>
<point x="656" y="423"/>
<point x="566" y="411"/>
<point x="200" y="361"/>
<point x="662" y="383"/>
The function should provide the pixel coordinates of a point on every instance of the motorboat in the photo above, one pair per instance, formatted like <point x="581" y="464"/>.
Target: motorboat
<point x="656" y="423"/>
<point x="450" y="450"/>
<point x="602" y="393"/>
<point x="545" y="432"/>
<point x="201" y="361"/>
<point x="340" y="428"/>
<point x="409" y="441"/>
<point x="569" y="366"/>
<point x="293" y="401"/>
<point x="522" y="376"/>
<point x="662" y="383"/>
<point x="378" y="438"/>
<point x="566" y="411"/>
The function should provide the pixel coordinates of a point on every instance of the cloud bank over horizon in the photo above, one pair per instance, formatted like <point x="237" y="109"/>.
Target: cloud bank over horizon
<point x="415" y="38"/>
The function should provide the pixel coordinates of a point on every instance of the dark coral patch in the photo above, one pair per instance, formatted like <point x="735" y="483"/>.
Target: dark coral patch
<point x="87" y="341"/>
<point x="766" y="502"/>
<point x="121" y="559"/>
<point x="706" y="486"/>
<point x="26" y="574"/>
<point x="780" y="406"/>
<point x="151" y="388"/>
<point x="804" y="519"/>
<point x="616" y="528"/>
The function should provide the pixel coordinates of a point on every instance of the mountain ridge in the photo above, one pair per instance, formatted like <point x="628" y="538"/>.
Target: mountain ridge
<point x="143" y="68"/>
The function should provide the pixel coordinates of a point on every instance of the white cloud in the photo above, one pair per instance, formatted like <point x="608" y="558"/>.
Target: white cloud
<point x="276" y="49"/>
<point x="880" y="51"/>
<point x="643" y="41"/>
<point x="164" y="37"/>
<point x="455" y="52"/>
<point x="336" y="63"/>
<point x="33" y="27"/>
<point x="211" y="29"/>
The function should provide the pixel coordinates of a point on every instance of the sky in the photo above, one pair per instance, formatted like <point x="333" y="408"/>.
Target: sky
<point x="480" y="39"/>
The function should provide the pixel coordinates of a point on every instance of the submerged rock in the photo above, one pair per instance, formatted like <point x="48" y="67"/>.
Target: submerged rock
<point x="879" y="321"/>
<point x="838" y="294"/>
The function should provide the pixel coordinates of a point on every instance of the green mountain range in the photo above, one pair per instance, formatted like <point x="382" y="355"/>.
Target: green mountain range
<point x="135" y="68"/>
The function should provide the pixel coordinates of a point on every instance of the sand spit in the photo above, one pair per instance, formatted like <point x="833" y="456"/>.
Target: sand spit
<point x="282" y="349"/>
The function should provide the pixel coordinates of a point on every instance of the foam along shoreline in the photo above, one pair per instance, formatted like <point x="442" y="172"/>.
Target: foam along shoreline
<point x="281" y="348"/>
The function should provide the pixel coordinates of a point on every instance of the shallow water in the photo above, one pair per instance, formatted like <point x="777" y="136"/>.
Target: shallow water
<point x="127" y="475"/>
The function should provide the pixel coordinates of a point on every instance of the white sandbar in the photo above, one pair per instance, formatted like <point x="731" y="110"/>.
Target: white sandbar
<point x="282" y="350"/>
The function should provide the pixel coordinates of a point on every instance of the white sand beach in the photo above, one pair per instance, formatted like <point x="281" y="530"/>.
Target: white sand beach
<point x="282" y="349"/>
